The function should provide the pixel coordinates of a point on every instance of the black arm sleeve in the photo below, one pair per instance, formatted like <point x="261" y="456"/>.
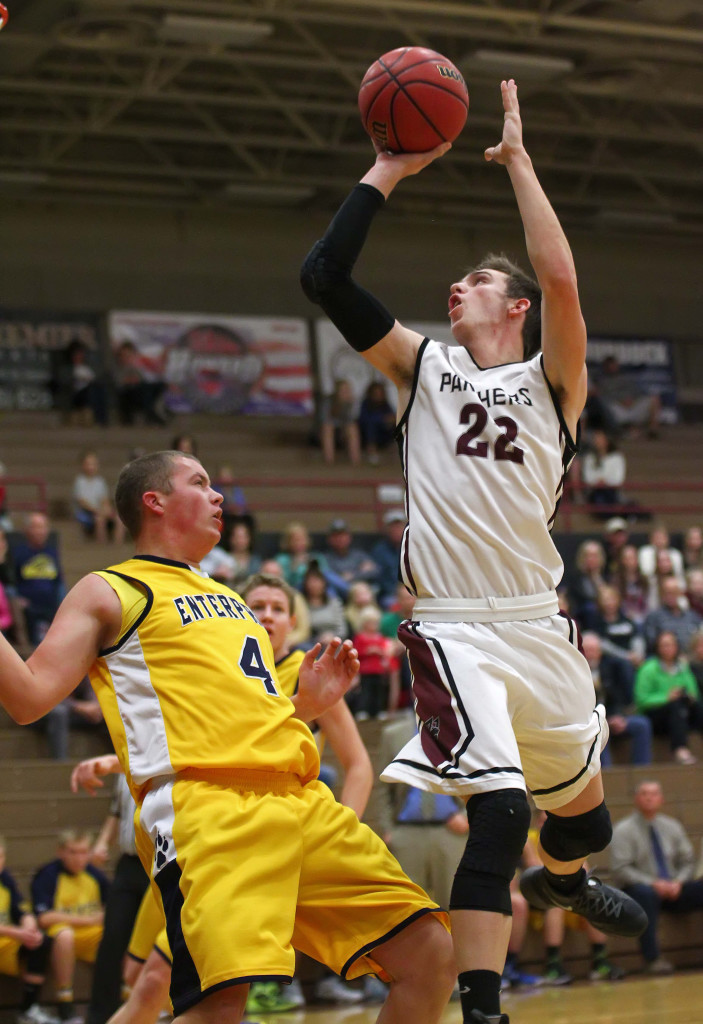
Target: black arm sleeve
<point x="326" y="272"/>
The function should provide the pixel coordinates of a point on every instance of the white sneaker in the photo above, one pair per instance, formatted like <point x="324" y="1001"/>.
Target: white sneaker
<point x="334" y="990"/>
<point x="37" y="1015"/>
<point x="294" y="993"/>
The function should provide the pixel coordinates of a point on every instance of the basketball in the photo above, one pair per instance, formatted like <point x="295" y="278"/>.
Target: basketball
<point x="4" y="15"/>
<point x="412" y="99"/>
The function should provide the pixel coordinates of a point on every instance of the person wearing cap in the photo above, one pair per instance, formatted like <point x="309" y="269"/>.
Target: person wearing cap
<point x="346" y="562"/>
<point x="616" y="534"/>
<point x="386" y="555"/>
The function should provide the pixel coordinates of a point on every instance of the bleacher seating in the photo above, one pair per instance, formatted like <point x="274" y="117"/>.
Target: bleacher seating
<point x="35" y="800"/>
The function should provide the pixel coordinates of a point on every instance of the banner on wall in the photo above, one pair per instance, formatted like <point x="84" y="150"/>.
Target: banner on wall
<point x="31" y="344"/>
<point x="221" y="364"/>
<point x="336" y="360"/>
<point x="646" y="365"/>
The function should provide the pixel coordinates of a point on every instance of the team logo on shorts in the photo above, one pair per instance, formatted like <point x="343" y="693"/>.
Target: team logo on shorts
<point x="432" y="725"/>
<point x="161" y="851"/>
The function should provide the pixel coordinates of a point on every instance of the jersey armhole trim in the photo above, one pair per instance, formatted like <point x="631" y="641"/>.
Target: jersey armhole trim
<point x="138" y="621"/>
<point x="416" y="376"/>
<point x="572" y="445"/>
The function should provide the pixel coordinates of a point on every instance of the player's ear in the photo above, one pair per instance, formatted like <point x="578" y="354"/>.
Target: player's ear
<point x="519" y="306"/>
<point x="153" y="501"/>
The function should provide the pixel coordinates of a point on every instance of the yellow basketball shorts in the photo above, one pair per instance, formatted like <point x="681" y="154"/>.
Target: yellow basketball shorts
<point x="9" y="956"/>
<point x="253" y="867"/>
<point x="149" y="927"/>
<point x="86" y="939"/>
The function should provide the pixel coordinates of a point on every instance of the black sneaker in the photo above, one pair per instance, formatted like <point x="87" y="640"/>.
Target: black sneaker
<point x="609" y="909"/>
<point x="480" y="1018"/>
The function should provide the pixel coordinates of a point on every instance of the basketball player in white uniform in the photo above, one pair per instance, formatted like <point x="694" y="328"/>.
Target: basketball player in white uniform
<point x="504" y="699"/>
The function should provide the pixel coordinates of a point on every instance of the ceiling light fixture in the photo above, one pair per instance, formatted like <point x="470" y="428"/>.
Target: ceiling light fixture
<point x="532" y="66"/>
<point x="186" y="28"/>
<point x="273" y="193"/>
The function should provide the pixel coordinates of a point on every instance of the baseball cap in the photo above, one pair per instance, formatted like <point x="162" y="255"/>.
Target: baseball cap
<point x="394" y="515"/>
<point x="615" y="524"/>
<point x="338" y="526"/>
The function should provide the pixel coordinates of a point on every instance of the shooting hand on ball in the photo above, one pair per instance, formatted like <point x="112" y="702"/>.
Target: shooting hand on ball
<point x="390" y="168"/>
<point x="511" y="143"/>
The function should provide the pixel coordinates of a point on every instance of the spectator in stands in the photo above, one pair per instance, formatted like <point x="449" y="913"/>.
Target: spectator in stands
<point x="68" y="895"/>
<point x="694" y="590"/>
<point x="620" y="637"/>
<point x="695" y="659"/>
<point x="553" y="923"/>
<point x="603" y="471"/>
<point x="345" y="560"/>
<point x="586" y="582"/>
<point x="666" y="691"/>
<point x="338" y="426"/>
<point x="80" y="710"/>
<point x="92" y="505"/>
<point x="361" y="596"/>
<point x="693" y="548"/>
<point x="616" y="535"/>
<point x="386" y="554"/>
<point x="326" y="610"/>
<point x="659" y="541"/>
<point x="376" y="421"/>
<point x="671" y="616"/>
<point x="235" y="508"/>
<point x="296" y="554"/>
<point x="374" y="696"/>
<point x="613" y="681"/>
<point x="40" y="584"/>
<point x="625" y="404"/>
<point x="401" y="609"/>
<point x="138" y="387"/>
<point x="652" y="859"/>
<point x="80" y="392"/>
<point x="632" y="584"/>
<point x="185" y="443"/>
<point x="24" y="948"/>
<point x="235" y="563"/>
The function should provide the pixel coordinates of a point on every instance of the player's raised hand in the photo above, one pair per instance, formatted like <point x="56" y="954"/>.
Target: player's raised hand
<point x="88" y="775"/>
<point x="324" y="680"/>
<point x="390" y="168"/>
<point x="511" y="142"/>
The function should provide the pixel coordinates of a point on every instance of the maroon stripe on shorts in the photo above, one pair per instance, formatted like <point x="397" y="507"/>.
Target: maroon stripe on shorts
<point x="440" y="732"/>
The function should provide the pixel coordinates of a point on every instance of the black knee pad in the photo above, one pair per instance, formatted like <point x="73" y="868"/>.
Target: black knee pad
<point x="498" y="824"/>
<point x="575" y="837"/>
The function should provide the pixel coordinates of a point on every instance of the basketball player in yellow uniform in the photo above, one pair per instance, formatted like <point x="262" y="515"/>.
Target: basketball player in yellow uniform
<point x="148" y="969"/>
<point x="252" y="855"/>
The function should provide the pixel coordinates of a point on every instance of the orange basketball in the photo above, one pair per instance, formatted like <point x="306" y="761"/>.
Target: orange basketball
<point x="412" y="99"/>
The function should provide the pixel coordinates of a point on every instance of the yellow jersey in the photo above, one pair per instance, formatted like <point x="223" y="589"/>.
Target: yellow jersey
<point x="287" y="670"/>
<point x="191" y="681"/>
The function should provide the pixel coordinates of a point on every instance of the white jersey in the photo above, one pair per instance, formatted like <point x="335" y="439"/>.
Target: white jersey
<point x="484" y="452"/>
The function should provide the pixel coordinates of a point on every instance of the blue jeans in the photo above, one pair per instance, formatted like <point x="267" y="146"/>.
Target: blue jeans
<point x="639" y="730"/>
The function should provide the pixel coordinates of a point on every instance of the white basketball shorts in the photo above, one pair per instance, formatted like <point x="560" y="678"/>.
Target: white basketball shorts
<point x="501" y="705"/>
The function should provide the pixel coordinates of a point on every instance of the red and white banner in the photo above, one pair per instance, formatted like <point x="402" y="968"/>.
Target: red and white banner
<point x="222" y="364"/>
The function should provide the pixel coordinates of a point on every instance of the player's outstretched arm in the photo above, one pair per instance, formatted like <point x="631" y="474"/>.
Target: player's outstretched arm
<point x="88" y="619"/>
<point x="563" y="328"/>
<point x="324" y="680"/>
<point x="326" y="274"/>
<point x="341" y="730"/>
<point x="89" y="774"/>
